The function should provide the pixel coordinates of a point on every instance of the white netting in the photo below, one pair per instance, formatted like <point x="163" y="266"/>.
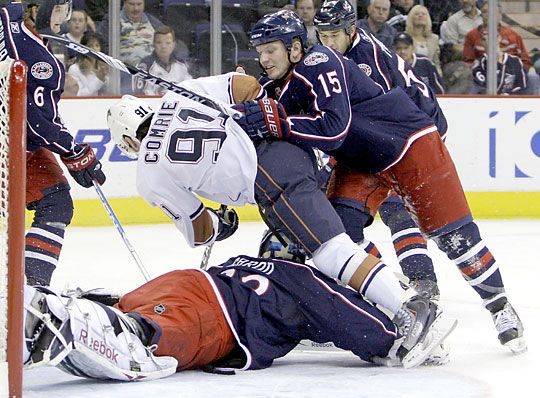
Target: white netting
<point x="4" y="187"/>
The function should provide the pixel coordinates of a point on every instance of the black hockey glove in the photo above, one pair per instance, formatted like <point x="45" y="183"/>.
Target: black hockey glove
<point x="83" y="165"/>
<point x="262" y="119"/>
<point x="228" y="223"/>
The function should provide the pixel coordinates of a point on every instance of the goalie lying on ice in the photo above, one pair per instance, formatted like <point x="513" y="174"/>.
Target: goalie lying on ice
<point x="240" y="315"/>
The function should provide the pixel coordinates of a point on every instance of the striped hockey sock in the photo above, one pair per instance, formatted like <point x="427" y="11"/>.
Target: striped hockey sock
<point x="412" y="254"/>
<point x="43" y="246"/>
<point x="477" y="265"/>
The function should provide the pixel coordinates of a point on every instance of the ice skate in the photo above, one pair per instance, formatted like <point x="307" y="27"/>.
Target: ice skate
<point x="426" y="288"/>
<point x="423" y="327"/>
<point x="508" y="324"/>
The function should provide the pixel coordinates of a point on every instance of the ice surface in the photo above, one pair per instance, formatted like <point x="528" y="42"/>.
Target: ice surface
<point x="479" y="366"/>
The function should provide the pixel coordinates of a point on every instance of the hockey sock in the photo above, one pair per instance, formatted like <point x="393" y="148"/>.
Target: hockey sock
<point x="342" y="259"/>
<point x="409" y="244"/>
<point x="370" y="248"/>
<point x="42" y="249"/>
<point x="354" y="216"/>
<point x="477" y="265"/>
<point x="382" y="287"/>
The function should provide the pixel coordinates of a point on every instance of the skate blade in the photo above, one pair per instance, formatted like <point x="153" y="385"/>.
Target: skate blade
<point x="517" y="346"/>
<point x="438" y="331"/>
<point x="439" y="356"/>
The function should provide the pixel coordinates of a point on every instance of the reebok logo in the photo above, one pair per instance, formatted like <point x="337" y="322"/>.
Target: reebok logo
<point x="99" y="346"/>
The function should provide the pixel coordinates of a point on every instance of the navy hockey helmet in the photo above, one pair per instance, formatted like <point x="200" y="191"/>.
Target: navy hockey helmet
<point x="334" y="15"/>
<point x="281" y="248"/>
<point x="282" y="25"/>
<point x="51" y="14"/>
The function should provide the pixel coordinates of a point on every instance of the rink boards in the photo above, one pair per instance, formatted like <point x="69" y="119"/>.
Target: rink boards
<point x="495" y="143"/>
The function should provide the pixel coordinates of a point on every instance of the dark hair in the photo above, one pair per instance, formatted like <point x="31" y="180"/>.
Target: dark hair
<point x="90" y="36"/>
<point x="86" y="63"/>
<point x="403" y="37"/>
<point x="165" y="30"/>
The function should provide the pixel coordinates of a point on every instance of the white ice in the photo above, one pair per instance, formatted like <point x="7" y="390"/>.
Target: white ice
<point x="479" y="366"/>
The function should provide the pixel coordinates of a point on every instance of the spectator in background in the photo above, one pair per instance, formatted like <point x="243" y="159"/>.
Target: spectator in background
<point x="510" y="42"/>
<point x="162" y="63"/>
<point x="77" y="26"/>
<point x="426" y="43"/>
<point x="306" y="10"/>
<point x="422" y="67"/>
<point x="399" y="12"/>
<point x="136" y="31"/>
<point x="457" y="77"/>
<point x="511" y="78"/>
<point x="378" y="11"/>
<point x="461" y="23"/>
<point x="89" y="73"/>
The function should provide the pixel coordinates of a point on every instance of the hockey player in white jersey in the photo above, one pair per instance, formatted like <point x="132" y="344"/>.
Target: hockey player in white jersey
<point x="218" y="159"/>
<point x="186" y="148"/>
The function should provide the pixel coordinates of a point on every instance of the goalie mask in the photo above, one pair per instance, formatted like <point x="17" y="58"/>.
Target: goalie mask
<point x="281" y="248"/>
<point x="124" y="120"/>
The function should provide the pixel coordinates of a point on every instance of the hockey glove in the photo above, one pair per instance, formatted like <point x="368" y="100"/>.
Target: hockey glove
<point x="262" y="119"/>
<point x="83" y="166"/>
<point x="228" y="223"/>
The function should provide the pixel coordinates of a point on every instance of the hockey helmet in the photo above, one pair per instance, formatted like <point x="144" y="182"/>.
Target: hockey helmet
<point x="281" y="247"/>
<point x="334" y="15"/>
<point x="124" y="119"/>
<point x="51" y="13"/>
<point x="282" y="25"/>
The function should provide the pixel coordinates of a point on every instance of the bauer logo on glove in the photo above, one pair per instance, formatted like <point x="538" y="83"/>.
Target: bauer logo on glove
<point x="263" y="119"/>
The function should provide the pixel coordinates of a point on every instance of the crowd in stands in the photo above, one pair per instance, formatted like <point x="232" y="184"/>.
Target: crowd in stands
<point x="444" y="40"/>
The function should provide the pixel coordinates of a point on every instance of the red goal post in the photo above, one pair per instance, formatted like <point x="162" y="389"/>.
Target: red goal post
<point x="12" y="206"/>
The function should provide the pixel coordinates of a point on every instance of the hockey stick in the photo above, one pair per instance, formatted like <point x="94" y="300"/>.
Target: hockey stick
<point x="136" y="72"/>
<point x="121" y="231"/>
<point x="208" y="249"/>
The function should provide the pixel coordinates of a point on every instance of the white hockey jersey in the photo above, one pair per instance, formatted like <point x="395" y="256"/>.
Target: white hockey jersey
<point x="194" y="149"/>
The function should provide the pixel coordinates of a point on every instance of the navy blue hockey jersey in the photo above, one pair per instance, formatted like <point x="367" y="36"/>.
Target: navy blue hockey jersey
<point x="511" y="77"/>
<point x="426" y="71"/>
<point x="389" y="70"/>
<point x="45" y="81"/>
<point x="333" y="106"/>
<point x="273" y="304"/>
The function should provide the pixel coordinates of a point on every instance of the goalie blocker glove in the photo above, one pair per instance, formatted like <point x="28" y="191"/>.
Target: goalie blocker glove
<point x="227" y="221"/>
<point x="263" y="119"/>
<point x="83" y="166"/>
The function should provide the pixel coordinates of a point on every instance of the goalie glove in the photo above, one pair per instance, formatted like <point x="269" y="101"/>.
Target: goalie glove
<point x="263" y="119"/>
<point x="227" y="221"/>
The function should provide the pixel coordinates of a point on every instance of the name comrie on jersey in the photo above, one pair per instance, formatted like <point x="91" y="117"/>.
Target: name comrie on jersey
<point x="190" y="150"/>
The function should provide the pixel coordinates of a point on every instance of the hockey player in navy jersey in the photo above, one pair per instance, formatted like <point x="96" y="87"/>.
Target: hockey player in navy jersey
<point x="241" y="315"/>
<point x="186" y="148"/>
<point x="336" y="27"/>
<point x="381" y="143"/>
<point x="47" y="190"/>
<point x="423" y="67"/>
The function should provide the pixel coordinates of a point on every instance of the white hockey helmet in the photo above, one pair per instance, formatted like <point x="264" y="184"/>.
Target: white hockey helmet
<point x="124" y="118"/>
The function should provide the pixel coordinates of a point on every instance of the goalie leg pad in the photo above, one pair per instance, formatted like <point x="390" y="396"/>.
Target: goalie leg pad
<point x="99" y="342"/>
